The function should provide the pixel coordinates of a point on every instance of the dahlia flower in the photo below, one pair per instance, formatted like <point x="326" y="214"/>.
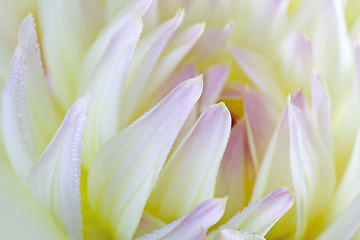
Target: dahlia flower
<point x="180" y="119"/>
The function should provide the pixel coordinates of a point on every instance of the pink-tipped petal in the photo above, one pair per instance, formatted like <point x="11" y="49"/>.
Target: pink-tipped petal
<point x="124" y="172"/>
<point x="55" y="178"/>
<point x="30" y="117"/>
<point x="321" y="109"/>
<point x="106" y="88"/>
<point x="194" y="224"/>
<point x="296" y="57"/>
<point x="214" y="81"/>
<point x="260" y="118"/>
<point x="236" y="171"/>
<point x="324" y="22"/>
<point x="183" y="73"/>
<point x="228" y="234"/>
<point x="260" y="216"/>
<point x="98" y="48"/>
<point x="147" y="53"/>
<point x="113" y="7"/>
<point x="312" y="166"/>
<point x="179" y="190"/>
<point x="178" y="48"/>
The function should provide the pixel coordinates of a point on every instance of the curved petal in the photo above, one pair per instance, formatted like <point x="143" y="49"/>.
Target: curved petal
<point x="179" y="190"/>
<point x="145" y="57"/>
<point x="106" y="89"/>
<point x="68" y="28"/>
<point x="55" y="179"/>
<point x="260" y="216"/>
<point x="25" y="100"/>
<point x="194" y="225"/>
<point x="227" y="234"/>
<point x="125" y="170"/>
<point x="312" y="166"/>
<point x="236" y="172"/>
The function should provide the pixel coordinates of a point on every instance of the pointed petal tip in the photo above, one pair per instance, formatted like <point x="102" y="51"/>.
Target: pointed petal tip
<point x="27" y="28"/>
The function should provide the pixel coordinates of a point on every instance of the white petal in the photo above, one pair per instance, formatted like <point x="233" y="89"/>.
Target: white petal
<point x="55" y="179"/>
<point x="260" y="216"/>
<point x="348" y="187"/>
<point x="346" y="119"/>
<point x="176" y="51"/>
<point x="194" y="225"/>
<point x="227" y="234"/>
<point x="324" y="22"/>
<point x="345" y="226"/>
<point x="106" y="88"/>
<point x="295" y="57"/>
<point x="321" y="109"/>
<point x="68" y="29"/>
<point x="312" y="166"/>
<point x="276" y="159"/>
<point x="259" y="71"/>
<point x="30" y="114"/>
<point x="179" y="190"/>
<point x="22" y="217"/>
<point x="98" y="48"/>
<point x="147" y="53"/>
<point x="125" y="170"/>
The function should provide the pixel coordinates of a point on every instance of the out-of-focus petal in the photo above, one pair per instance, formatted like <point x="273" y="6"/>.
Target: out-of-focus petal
<point x="68" y="29"/>
<point x="194" y="224"/>
<point x="260" y="118"/>
<point x="106" y="89"/>
<point x="228" y="234"/>
<point x="179" y="190"/>
<point x="112" y="7"/>
<point x="176" y="51"/>
<point x="30" y="117"/>
<point x="148" y="224"/>
<point x="259" y="71"/>
<point x="206" y="51"/>
<point x="119" y="196"/>
<point x="321" y="109"/>
<point x="55" y="178"/>
<point x="276" y="159"/>
<point x="295" y="57"/>
<point x="343" y="128"/>
<point x="21" y="215"/>
<point x="236" y="173"/>
<point x="260" y="216"/>
<point x="232" y="91"/>
<point x="324" y="22"/>
<point x="215" y="78"/>
<point x="348" y="187"/>
<point x="98" y="48"/>
<point x="345" y="226"/>
<point x="312" y="166"/>
<point x="145" y="57"/>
